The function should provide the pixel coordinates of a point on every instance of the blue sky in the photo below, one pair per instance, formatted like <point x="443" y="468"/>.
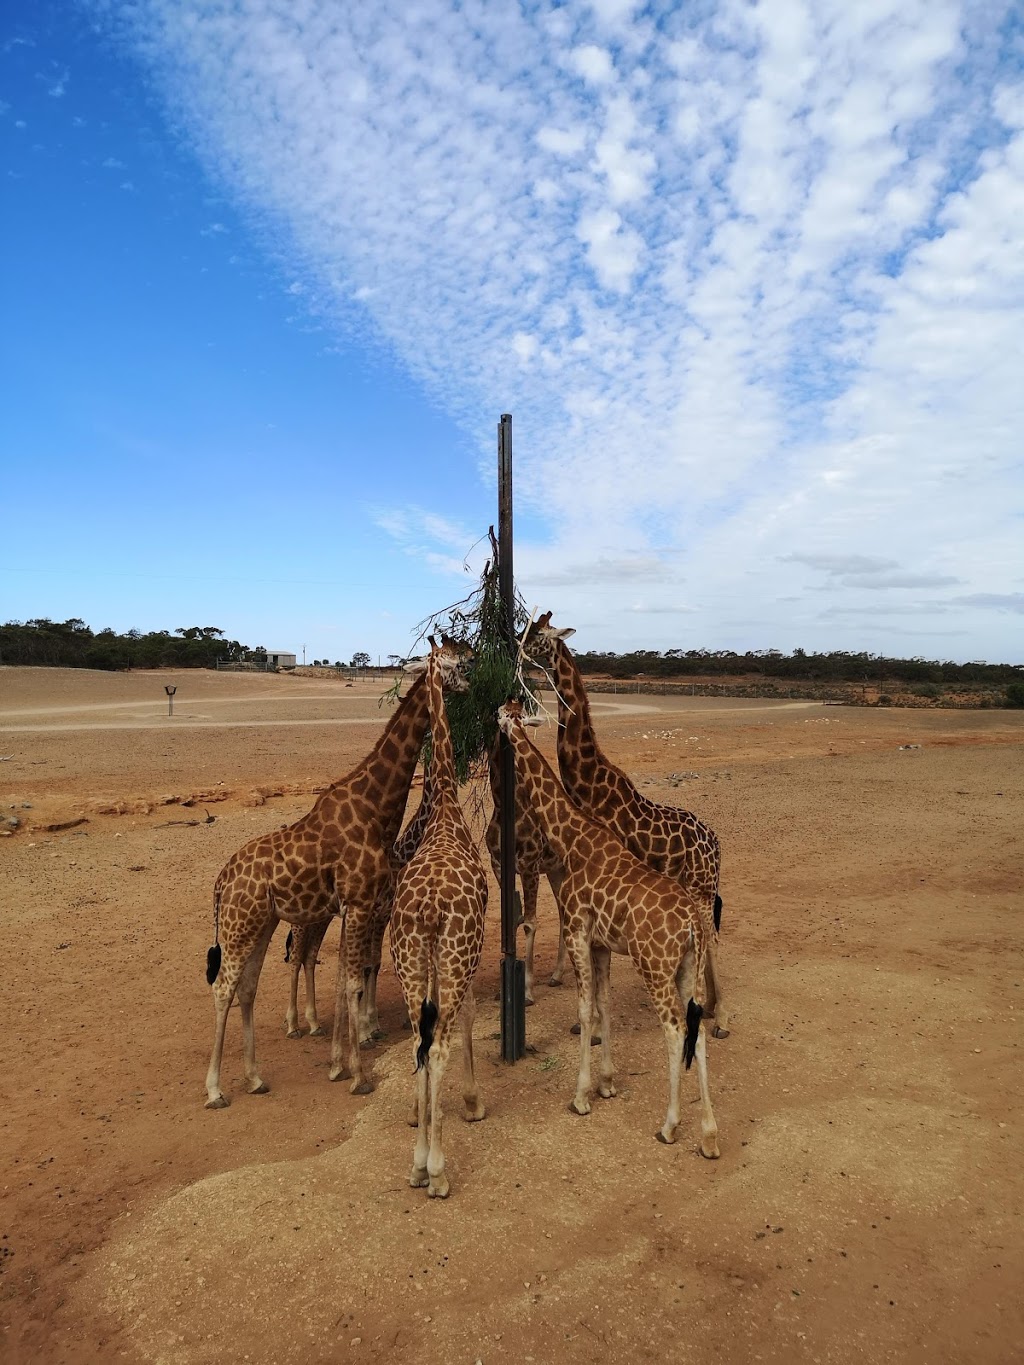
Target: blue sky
<point x="750" y="280"/>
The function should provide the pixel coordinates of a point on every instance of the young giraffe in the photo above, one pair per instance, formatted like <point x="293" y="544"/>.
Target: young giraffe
<point x="303" y="944"/>
<point x="337" y="855"/>
<point x="612" y="902"/>
<point x="533" y="857"/>
<point x="670" y="840"/>
<point x="437" y="933"/>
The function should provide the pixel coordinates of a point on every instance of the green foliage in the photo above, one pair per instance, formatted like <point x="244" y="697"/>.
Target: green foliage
<point x="495" y="676"/>
<point x="73" y="644"/>
<point x="1015" y="694"/>
<point x="838" y="665"/>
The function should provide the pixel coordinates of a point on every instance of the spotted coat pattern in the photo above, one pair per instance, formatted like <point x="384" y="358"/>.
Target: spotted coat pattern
<point x="610" y="901"/>
<point x="338" y="856"/>
<point x="437" y="934"/>
<point x="534" y="858"/>
<point x="670" y="840"/>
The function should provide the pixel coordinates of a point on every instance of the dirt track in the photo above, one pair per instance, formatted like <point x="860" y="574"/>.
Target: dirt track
<point x="868" y="1203"/>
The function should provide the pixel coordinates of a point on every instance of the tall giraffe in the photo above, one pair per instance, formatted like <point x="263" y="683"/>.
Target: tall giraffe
<point x="338" y="856"/>
<point x="612" y="902"/>
<point x="304" y="942"/>
<point x="670" y="840"/>
<point x="534" y="856"/>
<point x="437" y="933"/>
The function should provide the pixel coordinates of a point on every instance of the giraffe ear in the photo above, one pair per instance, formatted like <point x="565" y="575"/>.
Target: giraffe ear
<point x="412" y="668"/>
<point x="565" y="632"/>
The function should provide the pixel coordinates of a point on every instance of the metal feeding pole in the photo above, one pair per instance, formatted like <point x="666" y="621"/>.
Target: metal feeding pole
<point x="513" y="972"/>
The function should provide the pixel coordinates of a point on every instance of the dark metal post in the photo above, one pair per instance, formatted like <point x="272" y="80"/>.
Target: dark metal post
<point x="513" y="972"/>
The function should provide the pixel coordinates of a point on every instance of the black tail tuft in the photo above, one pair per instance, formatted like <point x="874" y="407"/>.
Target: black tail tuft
<point x="718" y="913"/>
<point x="428" y="1018"/>
<point x="694" y="1014"/>
<point x="288" y="945"/>
<point x="212" y="964"/>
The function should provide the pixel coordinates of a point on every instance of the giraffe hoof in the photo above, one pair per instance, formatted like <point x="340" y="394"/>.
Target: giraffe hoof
<point x="339" y="1073"/>
<point x="362" y="1088"/>
<point x="317" y="1032"/>
<point x="579" y="1113"/>
<point x="261" y="1089"/>
<point x="439" y="1188"/>
<point x="218" y="1102"/>
<point x="607" y="1092"/>
<point x="419" y="1178"/>
<point x="713" y="1155"/>
<point x="667" y="1142"/>
<point x="718" y="1032"/>
<point x="294" y="1033"/>
<point x="554" y="980"/>
<point x="476" y="1114"/>
<point x="366" y="1043"/>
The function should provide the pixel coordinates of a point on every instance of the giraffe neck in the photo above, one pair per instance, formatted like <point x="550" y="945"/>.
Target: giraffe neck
<point x="384" y="776"/>
<point x="559" y="819"/>
<point x="580" y="759"/>
<point x="443" y="782"/>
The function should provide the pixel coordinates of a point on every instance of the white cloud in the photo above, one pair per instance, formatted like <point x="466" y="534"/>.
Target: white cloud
<point x="593" y="63"/>
<point x="759" y="270"/>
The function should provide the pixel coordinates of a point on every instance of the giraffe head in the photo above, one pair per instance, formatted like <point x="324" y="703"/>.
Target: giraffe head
<point x="540" y="643"/>
<point x="511" y="714"/>
<point x="452" y="660"/>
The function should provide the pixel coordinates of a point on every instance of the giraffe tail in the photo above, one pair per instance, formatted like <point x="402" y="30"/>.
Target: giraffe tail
<point x="288" y="945"/>
<point x="428" y="1021"/>
<point x="694" y="1014"/>
<point x="718" y="912"/>
<point x="213" y="954"/>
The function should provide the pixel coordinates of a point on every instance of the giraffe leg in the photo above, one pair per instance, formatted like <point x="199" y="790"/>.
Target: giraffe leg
<point x="235" y="954"/>
<point x="708" y="1126"/>
<point x="376" y="953"/>
<point x="296" y="961"/>
<point x="338" y="1071"/>
<point x="475" y="1110"/>
<point x="223" y="994"/>
<point x="418" y="1177"/>
<point x="247" y="984"/>
<point x="714" y="991"/>
<point x="531" y="885"/>
<point x="687" y="989"/>
<point x="674" y="1045"/>
<point x="579" y="952"/>
<point x="555" y="979"/>
<point x="352" y="960"/>
<point x="602" y="959"/>
<point x="437" y="1064"/>
<point x="315" y="938"/>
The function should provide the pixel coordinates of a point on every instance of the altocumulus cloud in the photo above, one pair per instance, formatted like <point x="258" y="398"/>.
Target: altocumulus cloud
<point x="750" y="277"/>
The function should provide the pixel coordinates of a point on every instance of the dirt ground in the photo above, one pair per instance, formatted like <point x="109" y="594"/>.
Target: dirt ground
<point x="868" y="1200"/>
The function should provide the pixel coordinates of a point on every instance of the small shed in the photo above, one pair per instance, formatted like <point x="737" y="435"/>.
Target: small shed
<point x="280" y="659"/>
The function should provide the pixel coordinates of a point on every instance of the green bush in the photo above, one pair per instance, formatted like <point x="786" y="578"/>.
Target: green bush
<point x="1015" y="694"/>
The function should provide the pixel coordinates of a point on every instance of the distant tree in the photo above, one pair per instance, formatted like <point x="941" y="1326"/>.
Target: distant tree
<point x="361" y="660"/>
<point x="1015" y="694"/>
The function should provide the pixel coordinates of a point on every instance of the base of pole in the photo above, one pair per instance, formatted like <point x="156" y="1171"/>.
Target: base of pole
<point x="513" y="1009"/>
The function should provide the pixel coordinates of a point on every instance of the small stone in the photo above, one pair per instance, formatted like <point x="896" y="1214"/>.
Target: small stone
<point x="356" y="1341"/>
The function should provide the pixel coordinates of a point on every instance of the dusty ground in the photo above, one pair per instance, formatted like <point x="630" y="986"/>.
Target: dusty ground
<point x="868" y="1201"/>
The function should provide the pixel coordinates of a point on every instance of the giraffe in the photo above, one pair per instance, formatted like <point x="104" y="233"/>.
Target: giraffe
<point x="339" y="855"/>
<point x="303" y="944"/>
<point x="611" y="901"/>
<point x="437" y="933"/>
<point x="670" y="840"/>
<point x="533" y="857"/>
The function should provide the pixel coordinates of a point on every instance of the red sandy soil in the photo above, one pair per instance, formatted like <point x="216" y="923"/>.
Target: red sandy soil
<point x="868" y="1201"/>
